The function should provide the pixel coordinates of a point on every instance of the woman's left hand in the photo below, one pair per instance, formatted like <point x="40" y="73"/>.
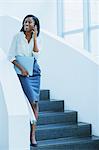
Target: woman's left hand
<point x="35" y="32"/>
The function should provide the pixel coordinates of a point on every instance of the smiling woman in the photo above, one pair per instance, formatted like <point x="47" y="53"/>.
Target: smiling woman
<point x="25" y="44"/>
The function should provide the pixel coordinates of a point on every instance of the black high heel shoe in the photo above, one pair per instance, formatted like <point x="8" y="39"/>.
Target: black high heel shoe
<point x="34" y="145"/>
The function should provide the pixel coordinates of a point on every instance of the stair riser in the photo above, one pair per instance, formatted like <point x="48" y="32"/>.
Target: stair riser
<point x="56" y="106"/>
<point x="78" y="146"/>
<point x="80" y="131"/>
<point x="44" y="95"/>
<point x="69" y="118"/>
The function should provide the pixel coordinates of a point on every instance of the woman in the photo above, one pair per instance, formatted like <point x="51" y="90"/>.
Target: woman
<point x="25" y="44"/>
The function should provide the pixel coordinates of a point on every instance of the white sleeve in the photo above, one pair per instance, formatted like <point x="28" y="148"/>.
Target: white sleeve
<point x="35" y="54"/>
<point x="12" y="51"/>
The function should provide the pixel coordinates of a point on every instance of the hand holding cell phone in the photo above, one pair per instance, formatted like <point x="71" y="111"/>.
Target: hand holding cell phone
<point x="35" y="31"/>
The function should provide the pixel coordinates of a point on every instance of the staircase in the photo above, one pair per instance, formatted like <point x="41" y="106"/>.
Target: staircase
<point x="59" y="130"/>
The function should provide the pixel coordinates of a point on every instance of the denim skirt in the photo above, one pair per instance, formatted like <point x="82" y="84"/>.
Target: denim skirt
<point x="31" y="84"/>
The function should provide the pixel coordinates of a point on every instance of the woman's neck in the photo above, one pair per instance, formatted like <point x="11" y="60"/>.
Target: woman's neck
<point x="28" y="36"/>
<point x="28" y="33"/>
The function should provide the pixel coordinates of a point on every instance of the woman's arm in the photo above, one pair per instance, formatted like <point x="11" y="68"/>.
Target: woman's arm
<point x="35" y="48"/>
<point x="12" y="55"/>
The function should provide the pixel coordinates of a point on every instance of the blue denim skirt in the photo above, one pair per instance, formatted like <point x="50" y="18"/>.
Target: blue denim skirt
<point x="31" y="84"/>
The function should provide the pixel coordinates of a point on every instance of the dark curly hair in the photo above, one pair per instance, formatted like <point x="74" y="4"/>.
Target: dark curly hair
<point x="36" y="20"/>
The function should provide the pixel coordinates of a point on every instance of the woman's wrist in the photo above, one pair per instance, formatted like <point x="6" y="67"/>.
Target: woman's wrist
<point x="35" y="38"/>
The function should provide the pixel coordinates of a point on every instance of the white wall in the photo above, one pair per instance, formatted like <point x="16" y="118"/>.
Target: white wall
<point x="45" y="10"/>
<point x="8" y="29"/>
<point x="73" y="76"/>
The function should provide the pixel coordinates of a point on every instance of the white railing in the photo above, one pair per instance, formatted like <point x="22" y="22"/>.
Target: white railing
<point x="14" y="116"/>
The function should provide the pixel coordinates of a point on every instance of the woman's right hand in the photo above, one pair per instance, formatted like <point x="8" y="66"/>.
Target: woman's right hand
<point x="24" y="72"/>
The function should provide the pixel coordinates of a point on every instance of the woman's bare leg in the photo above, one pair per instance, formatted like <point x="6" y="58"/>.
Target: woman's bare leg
<point x="35" y="109"/>
<point x="33" y="126"/>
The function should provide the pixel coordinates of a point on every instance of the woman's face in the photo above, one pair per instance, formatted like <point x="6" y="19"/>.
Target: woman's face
<point x="29" y="24"/>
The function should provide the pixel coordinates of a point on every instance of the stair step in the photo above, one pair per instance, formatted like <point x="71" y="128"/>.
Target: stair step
<point x="44" y="94"/>
<point x="53" y="105"/>
<point x="57" y="117"/>
<point x="87" y="143"/>
<point x="62" y="130"/>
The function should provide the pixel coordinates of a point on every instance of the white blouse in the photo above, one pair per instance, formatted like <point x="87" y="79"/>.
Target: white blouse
<point x="20" y="46"/>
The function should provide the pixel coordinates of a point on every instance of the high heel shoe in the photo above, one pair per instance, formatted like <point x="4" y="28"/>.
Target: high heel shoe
<point x="33" y="141"/>
<point x="33" y="144"/>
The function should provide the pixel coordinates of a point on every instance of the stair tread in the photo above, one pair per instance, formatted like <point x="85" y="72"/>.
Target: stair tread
<point x="50" y="100"/>
<point x="58" y="125"/>
<point x="69" y="140"/>
<point x="57" y="105"/>
<point x="48" y="113"/>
